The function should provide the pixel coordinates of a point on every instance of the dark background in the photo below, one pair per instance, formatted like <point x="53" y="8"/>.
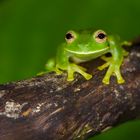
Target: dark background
<point x="30" y="31"/>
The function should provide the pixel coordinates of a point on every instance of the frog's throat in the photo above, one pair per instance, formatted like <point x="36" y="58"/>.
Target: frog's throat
<point x="90" y="52"/>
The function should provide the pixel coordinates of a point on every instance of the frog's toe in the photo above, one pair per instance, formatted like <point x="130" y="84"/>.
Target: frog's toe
<point x="125" y="53"/>
<point x="106" y="58"/>
<point x="41" y="73"/>
<point x="104" y="66"/>
<point x="100" y="68"/>
<point x="106" y="81"/>
<point x="58" y="72"/>
<point x="82" y="68"/>
<point x="87" y="76"/>
<point x="126" y="43"/>
<point x="120" y="81"/>
<point x="70" y="79"/>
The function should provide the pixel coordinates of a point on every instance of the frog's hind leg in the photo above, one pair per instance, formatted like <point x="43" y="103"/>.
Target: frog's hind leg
<point x="108" y="61"/>
<point x="50" y="66"/>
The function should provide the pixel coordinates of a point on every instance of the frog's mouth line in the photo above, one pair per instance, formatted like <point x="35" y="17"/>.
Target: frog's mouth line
<point x="86" y="53"/>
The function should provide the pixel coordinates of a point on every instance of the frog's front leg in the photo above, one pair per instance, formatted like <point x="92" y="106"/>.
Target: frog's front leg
<point x="71" y="68"/>
<point x="75" y="68"/>
<point x="114" y="68"/>
<point x="62" y="63"/>
<point x="114" y="64"/>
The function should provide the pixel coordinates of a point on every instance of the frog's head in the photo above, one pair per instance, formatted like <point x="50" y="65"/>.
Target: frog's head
<point x="86" y="42"/>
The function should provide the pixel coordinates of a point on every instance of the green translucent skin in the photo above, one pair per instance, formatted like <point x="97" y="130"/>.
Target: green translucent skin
<point x="84" y="46"/>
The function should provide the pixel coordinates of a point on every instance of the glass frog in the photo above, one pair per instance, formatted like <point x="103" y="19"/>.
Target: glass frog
<point x="85" y="45"/>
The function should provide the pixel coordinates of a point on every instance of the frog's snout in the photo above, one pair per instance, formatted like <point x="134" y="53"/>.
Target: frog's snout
<point x="83" y="45"/>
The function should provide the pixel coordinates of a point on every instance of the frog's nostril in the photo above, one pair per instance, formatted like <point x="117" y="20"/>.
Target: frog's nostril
<point x="83" y="45"/>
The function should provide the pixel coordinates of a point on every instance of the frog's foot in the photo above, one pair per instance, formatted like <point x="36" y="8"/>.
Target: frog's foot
<point x="75" y="68"/>
<point x="108" y="62"/>
<point x="113" y="69"/>
<point x="57" y="70"/>
<point x="125" y="53"/>
<point x="126" y="43"/>
<point x="41" y="73"/>
<point x="104" y="65"/>
<point x="105" y="58"/>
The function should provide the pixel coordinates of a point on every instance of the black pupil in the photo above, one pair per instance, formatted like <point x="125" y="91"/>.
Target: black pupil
<point x="101" y="35"/>
<point x="69" y="36"/>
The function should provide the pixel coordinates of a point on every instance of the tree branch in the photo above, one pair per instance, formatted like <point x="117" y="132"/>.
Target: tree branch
<point x="50" y="108"/>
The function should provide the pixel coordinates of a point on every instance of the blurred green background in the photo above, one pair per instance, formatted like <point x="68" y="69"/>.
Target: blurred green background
<point x="30" y="31"/>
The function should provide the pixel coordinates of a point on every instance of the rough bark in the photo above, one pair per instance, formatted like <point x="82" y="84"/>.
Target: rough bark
<point x="48" y="107"/>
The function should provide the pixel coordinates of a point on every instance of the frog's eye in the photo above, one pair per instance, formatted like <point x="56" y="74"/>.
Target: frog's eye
<point x="100" y="36"/>
<point x="70" y="36"/>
